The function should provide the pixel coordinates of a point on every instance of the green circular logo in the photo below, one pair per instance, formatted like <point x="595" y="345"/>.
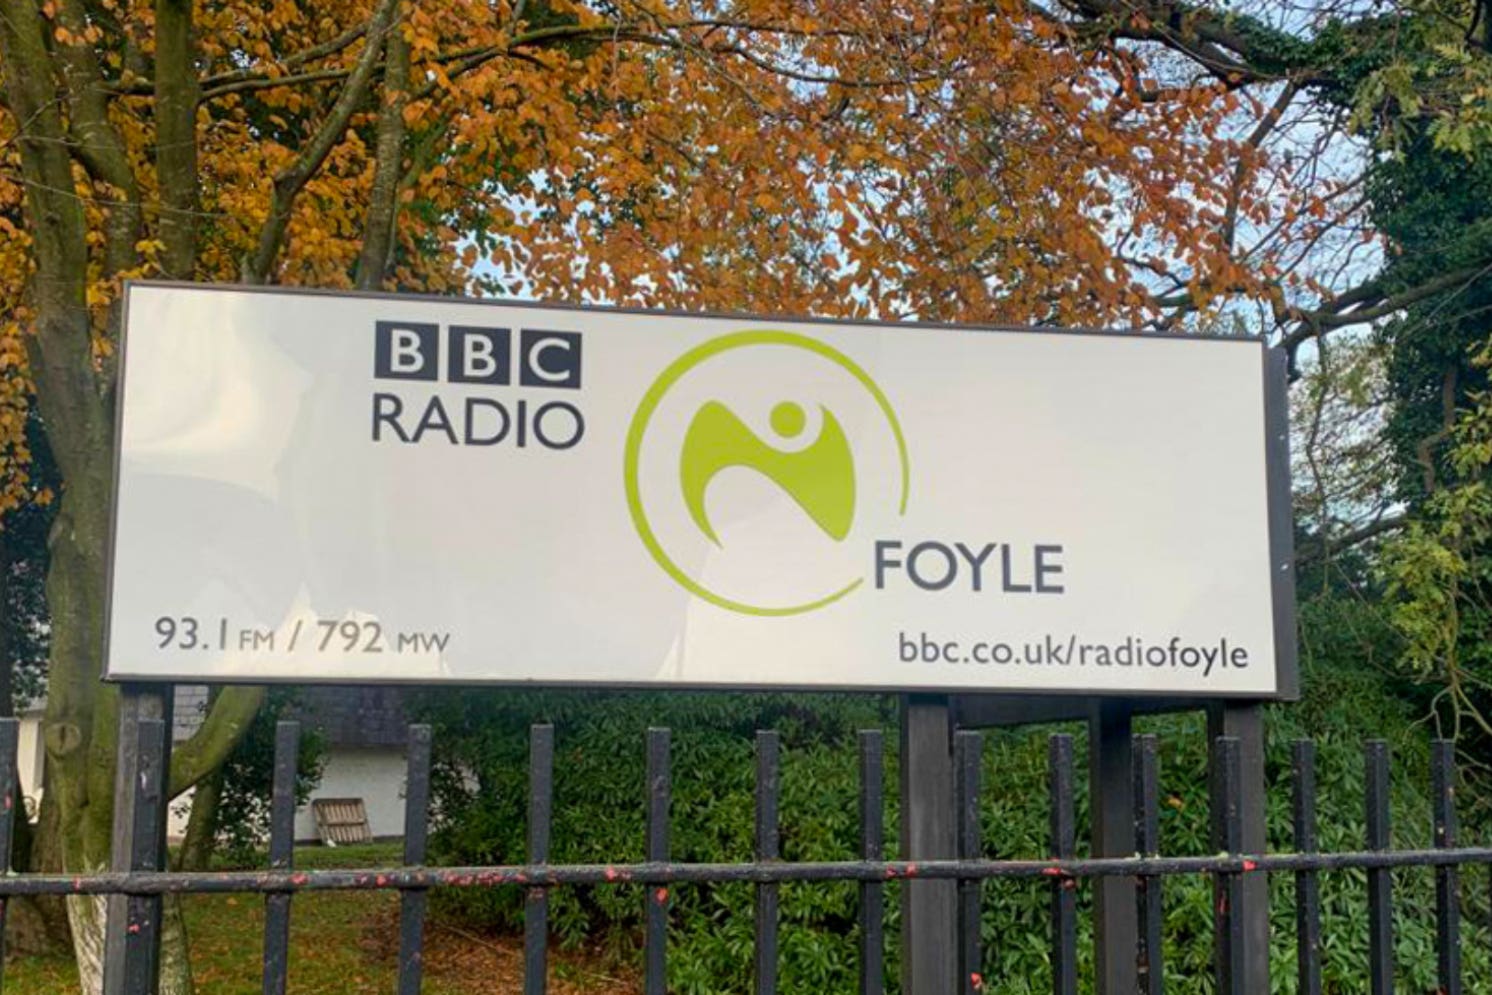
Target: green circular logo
<point x="820" y="477"/>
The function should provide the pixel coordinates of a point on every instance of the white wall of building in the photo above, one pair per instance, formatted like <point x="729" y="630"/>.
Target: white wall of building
<point x="29" y="755"/>
<point x="376" y="775"/>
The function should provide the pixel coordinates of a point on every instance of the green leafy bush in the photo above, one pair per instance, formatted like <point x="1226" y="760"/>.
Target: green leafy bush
<point x="481" y="792"/>
<point x="481" y="789"/>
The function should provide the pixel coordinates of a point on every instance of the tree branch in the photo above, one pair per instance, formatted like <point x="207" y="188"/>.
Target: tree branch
<point x="68" y="392"/>
<point x="1235" y="48"/>
<point x="290" y="182"/>
<point x="1344" y="310"/>
<point x="176" y="90"/>
<point x="1254" y="142"/>
<point x="296" y="59"/>
<point x="260" y="82"/>
<point x="383" y="198"/>
<point x="466" y="60"/>
<point x="1424" y="449"/>
<point x="98" y="144"/>
<point x="140" y="85"/>
<point x="226" y="722"/>
<point x="1313" y="551"/>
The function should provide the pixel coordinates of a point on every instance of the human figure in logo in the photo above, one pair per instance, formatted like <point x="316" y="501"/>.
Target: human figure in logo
<point x="820" y="477"/>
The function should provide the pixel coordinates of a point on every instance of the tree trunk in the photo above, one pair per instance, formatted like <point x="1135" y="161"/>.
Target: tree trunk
<point x="176" y="93"/>
<point x="86" y="916"/>
<point x="81" y="729"/>
<point x="383" y="199"/>
<point x="36" y="925"/>
<point x="202" y="825"/>
<point x="81" y="726"/>
<point x="29" y="932"/>
<point x="41" y="923"/>
<point x="54" y="87"/>
<point x="176" y="966"/>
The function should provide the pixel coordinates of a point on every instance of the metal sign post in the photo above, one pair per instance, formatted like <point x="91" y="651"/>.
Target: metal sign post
<point x="929" y="960"/>
<point x="1111" y="789"/>
<point x="132" y="947"/>
<point x="1249" y="911"/>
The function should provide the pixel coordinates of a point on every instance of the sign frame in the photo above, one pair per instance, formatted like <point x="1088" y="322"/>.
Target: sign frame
<point x="1280" y="525"/>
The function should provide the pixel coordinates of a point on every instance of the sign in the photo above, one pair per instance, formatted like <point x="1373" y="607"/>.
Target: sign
<point x="367" y="488"/>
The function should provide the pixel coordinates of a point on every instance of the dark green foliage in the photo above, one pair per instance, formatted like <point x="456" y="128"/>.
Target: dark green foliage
<point x="599" y="817"/>
<point x="23" y="567"/>
<point x="481" y="791"/>
<point x="1437" y="207"/>
<point x="1432" y="200"/>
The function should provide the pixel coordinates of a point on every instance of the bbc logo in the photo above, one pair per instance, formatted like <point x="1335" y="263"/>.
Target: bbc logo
<point x="474" y="354"/>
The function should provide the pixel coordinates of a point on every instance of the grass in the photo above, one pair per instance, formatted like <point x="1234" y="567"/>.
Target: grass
<point x="341" y="943"/>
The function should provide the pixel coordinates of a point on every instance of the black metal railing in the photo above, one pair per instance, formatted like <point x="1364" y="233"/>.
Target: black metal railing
<point x="133" y="962"/>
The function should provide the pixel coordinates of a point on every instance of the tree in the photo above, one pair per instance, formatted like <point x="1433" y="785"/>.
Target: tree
<point x="1436" y="202"/>
<point x="1440" y="570"/>
<point x="1403" y="404"/>
<point x="1375" y="82"/>
<point x="890" y="157"/>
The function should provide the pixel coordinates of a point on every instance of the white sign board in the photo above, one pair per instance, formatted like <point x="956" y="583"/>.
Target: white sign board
<point x="320" y="487"/>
